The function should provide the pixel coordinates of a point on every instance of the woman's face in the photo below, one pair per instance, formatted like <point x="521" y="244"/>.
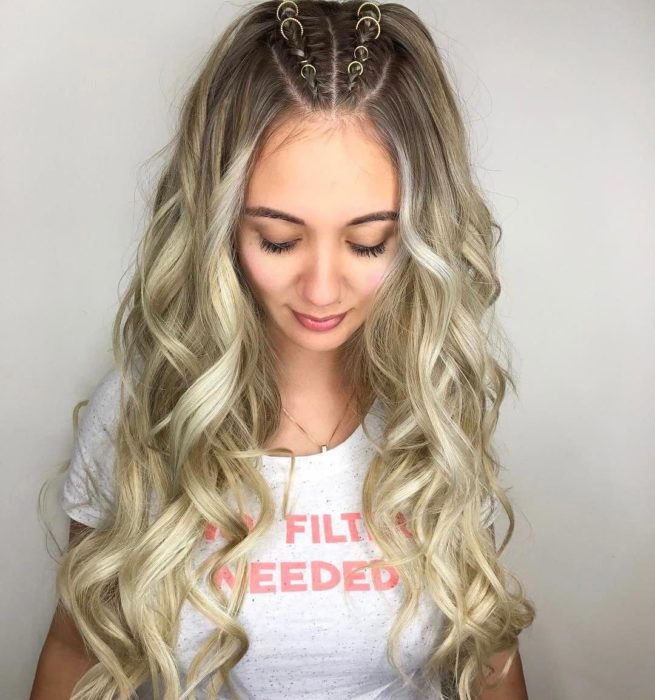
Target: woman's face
<point x="300" y="244"/>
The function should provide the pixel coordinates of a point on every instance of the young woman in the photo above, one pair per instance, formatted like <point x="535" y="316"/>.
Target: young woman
<point x="285" y="487"/>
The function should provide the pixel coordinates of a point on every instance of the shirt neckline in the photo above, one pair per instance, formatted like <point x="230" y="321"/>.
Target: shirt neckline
<point x="353" y="445"/>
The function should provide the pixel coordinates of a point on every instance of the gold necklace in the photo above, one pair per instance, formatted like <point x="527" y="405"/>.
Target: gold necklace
<point x="325" y="446"/>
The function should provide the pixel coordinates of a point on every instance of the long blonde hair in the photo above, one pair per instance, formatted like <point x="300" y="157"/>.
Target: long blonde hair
<point x="204" y="400"/>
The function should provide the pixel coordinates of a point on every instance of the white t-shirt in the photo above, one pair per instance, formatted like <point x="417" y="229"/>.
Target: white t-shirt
<point x="315" y="631"/>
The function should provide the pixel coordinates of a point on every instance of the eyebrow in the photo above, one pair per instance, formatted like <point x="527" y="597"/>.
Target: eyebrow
<point x="269" y="213"/>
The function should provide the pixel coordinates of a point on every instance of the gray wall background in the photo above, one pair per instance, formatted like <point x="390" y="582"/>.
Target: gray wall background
<point x="560" y="104"/>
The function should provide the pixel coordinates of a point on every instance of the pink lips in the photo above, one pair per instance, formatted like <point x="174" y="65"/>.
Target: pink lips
<point x="315" y="324"/>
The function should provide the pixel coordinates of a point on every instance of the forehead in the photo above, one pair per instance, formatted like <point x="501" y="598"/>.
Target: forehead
<point x="322" y="167"/>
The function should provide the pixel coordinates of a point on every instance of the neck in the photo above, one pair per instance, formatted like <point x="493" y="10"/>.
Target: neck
<point x="307" y="380"/>
<point x="304" y="373"/>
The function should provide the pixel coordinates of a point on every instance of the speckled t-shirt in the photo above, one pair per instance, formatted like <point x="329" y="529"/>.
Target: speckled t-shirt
<point x="316" y="629"/>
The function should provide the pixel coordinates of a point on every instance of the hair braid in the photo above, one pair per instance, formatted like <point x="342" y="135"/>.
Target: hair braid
<point x="367" y="29"/>
<point x="292" y="30"/>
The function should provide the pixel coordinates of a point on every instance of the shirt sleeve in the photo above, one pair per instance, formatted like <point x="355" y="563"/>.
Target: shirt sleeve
<point x="490" y="510"/>
<point x="88" y="493"/>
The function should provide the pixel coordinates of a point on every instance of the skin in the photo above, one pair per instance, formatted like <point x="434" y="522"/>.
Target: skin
<point x="513" y="687"/>
<point x="331" y="171"/>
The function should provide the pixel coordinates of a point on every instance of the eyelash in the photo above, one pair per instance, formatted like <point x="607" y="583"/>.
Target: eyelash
<point x="373" y="251"/>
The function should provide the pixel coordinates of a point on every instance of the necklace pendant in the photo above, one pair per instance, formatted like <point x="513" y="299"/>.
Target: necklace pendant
<point x="323" y="448"/>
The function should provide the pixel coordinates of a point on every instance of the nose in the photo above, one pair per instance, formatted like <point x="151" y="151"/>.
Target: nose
<point x="322" y="277"/>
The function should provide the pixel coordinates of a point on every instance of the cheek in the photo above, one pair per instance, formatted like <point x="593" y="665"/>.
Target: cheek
<point x="263" y="274"/>
<point x="371" y="281"/>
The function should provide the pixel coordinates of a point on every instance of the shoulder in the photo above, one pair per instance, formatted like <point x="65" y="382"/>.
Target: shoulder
<point x="87" y="494"/>
<point x="102" y="411"/>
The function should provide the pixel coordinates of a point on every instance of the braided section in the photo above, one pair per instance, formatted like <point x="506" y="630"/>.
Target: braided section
<point x="292" y="30"/>
<point x="367" y="29"/>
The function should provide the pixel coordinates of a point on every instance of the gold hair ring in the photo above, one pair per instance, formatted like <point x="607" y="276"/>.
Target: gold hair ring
<point x="361" y="52"/>
<point x="285" y="2"/>
<point x="361" y="58"/>
<point x="365" y="17"/>
<point x="375" y="5"/>
<point x="290" y="19"/>
<point x="361" y="67"/>
<point x="307" y="64"/>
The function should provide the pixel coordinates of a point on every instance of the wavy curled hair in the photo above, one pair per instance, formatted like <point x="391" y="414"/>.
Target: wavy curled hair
<point x="194" y="417"/>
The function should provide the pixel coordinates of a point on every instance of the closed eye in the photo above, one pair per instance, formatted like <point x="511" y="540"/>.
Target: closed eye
<point x="366" y="251"/>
